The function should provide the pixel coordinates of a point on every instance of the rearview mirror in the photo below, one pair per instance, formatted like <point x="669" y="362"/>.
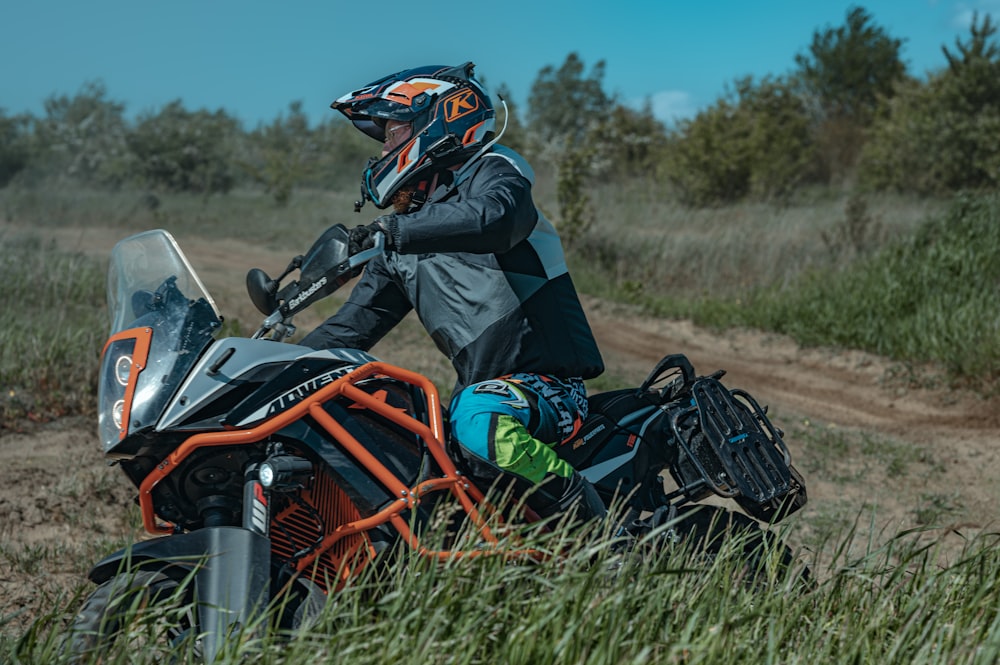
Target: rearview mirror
<point x="262" y="290"/>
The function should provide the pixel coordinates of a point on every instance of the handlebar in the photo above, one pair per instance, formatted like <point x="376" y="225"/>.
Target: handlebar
<point x="367" y="255"/>
<point x="294" y="297"/>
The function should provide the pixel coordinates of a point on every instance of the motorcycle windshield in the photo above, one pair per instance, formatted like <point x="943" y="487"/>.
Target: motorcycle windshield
<point x="162" y="318"/>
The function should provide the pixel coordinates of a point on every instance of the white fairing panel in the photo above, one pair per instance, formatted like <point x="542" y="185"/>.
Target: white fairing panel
<point x="244" y="355"/>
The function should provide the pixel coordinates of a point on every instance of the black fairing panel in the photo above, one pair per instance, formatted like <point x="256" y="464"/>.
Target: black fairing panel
<point x="399" y="450"/>
<point x="286" y="389"/>
<point x="236" y="392"/>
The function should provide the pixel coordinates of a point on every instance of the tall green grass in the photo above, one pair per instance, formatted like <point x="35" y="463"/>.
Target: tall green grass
<point x="891" y="604"/>
<point x="933" y="296"/>
<point x="53" y="327"/>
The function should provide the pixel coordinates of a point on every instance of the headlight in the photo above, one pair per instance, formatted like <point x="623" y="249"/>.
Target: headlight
<point x="122" y="362"/>
<point x="123" y="367"/>
<point x="117" y="411"/>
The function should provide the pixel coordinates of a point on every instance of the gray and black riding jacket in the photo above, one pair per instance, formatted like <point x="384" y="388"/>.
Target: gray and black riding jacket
<point x="486" y="274"/>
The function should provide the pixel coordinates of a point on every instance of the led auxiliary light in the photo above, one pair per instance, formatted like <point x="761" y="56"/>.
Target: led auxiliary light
<point x="284" y="472"/>
<point x="266" y="474"/>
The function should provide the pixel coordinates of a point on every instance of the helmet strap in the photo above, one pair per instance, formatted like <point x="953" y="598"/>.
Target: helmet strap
<point x="365" y="196"/>
<point x="420" y="194"/>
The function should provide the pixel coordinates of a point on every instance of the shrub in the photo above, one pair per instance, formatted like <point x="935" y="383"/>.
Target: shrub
<point x="13" y="146"/>
<point x="629" y="143"/>
<point x="575" y="209"/>
<point x="283" y="153"/>
<point x="942" y="136"/>
<point x="754" y="142"/>
<point x="180" y="150"/>
<point x="83" y="137"/>
<point x="342" y="153"/>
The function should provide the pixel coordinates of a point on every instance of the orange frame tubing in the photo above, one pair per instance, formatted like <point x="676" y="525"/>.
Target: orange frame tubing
<point x="432" y="434"/>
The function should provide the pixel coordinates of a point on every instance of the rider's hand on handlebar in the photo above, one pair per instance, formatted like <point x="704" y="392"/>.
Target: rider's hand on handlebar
<point x="363" y="237"/>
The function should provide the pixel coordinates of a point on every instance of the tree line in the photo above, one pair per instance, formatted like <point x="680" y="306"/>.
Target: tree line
<point x="847" y="115"/>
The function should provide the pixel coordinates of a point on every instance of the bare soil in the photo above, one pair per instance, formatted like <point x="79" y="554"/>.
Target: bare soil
<point x="875" y="447"/>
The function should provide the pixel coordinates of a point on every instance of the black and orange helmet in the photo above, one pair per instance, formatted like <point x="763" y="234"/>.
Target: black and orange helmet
<point x="451" y="118"/>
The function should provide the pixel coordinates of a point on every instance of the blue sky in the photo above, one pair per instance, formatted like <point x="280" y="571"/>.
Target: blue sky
<point x="253" y="58"/>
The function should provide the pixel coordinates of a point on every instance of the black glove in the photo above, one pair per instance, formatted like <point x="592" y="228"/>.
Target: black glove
<point x="363" y="237"/>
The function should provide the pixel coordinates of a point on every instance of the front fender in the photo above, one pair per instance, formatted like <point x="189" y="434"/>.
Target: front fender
<point x="187" y="550"/>
<point x="231" y="569"/>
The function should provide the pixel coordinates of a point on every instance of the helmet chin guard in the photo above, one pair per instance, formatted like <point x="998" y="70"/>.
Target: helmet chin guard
<point x="451" y="115"/>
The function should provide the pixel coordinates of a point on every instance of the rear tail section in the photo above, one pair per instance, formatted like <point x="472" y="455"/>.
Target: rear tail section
<point x="711" y="439"/>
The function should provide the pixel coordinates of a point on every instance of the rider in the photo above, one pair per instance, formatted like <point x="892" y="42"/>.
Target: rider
<point x="484" y="270"/>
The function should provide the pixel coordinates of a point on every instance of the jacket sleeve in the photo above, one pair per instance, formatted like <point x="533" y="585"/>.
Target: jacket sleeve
<point x="374" y="308"/>
<point x="492" y="212"/>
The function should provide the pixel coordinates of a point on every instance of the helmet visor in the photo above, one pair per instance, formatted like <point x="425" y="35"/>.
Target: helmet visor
<point x="370" y="116"/>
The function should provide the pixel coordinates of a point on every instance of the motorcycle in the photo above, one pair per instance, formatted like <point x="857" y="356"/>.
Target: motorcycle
<point x="275" y="471"/>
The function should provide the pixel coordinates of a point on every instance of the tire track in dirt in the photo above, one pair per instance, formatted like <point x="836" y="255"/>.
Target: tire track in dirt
<point x="851" y="390"/>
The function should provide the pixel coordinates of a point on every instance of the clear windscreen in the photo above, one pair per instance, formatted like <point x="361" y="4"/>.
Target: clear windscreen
<point x="139" y="266"/>
<point x="162" y="319"/>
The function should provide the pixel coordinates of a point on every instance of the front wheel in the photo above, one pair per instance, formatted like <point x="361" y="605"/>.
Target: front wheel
<point x="144" y="610"/>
